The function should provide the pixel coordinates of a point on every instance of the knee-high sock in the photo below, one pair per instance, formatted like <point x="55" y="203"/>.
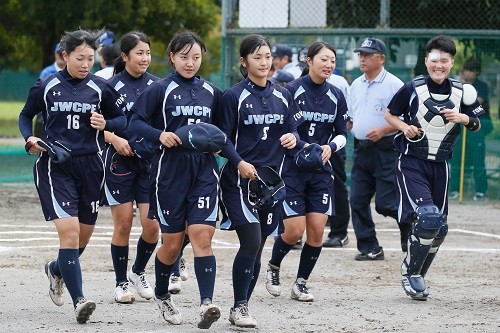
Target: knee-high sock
<point x="162" y="274"/>
<point x="205" y="270"/>
<point x="280" y="250"/>
<point x="69" y="266"/>
<point x="255" y="277"/>
<point x="144" y="252"/>
<point x="308" y="258"/>
<point x="242" y="277"/>
<point x="119" y="256"/>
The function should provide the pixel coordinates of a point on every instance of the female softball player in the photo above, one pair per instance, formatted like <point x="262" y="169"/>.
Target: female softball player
<point x="76" y="107"/>
<point x="260" y="119"/>
<point x="309" y="191"/>
<point x="184" y="183"/>
<point x="127" y="173"/>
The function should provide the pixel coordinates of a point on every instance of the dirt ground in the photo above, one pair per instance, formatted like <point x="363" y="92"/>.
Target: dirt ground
<point x="350" y="296"/>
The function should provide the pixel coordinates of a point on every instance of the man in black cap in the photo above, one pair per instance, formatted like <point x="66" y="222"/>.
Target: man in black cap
<point x="373" y="137"/>
<point x="282" y="59"/>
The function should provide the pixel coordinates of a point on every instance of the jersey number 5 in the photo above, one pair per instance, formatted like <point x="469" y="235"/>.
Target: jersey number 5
<point x="264" y="135"/>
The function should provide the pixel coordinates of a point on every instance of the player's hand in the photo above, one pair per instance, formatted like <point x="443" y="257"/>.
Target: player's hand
<point x="326" y="154"/>
<point x="375" y="134"/>
<point x="454" y="117"/>
<point x="288" y="140"/>
<point x="412" y="132"/>
<point x="32" y="147"/>
<point x="170" y="139"/>
<point x="121" y="146"/>
<point x="97" y="121"/>
<point x="246" y="170"/>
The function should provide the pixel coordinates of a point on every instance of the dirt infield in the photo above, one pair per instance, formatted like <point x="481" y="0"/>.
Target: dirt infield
<point x="350" y="296"/>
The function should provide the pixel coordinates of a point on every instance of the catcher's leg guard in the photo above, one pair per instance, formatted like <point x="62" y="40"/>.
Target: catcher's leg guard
<point x="436" y="243"/>
<point x="425" y="228"/>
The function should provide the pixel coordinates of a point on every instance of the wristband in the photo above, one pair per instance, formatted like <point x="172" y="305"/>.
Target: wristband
<point x="473" y="124"/>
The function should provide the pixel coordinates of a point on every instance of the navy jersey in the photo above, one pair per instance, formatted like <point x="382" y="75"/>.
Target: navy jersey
<point x="172" y="103"/>
<point x="66" y="104"/>
<point x="323" y="107"/>
<point x="129" y="89"/>
<point x="405" y="103"/>
<point x="255" y="118"/>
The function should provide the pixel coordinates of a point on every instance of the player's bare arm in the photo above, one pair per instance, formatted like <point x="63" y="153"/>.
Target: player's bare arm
<point x="410" y="131"/>
<point x="120" y="144"/>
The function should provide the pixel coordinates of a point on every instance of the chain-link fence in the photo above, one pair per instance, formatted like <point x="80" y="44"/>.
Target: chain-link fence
<point x="405" y="26"/>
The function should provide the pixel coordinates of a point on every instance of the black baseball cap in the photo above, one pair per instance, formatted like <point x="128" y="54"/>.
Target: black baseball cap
<point x="310" y="158"/>
<point x="372" y="45"/>
<point x="280" y="50"/>
<point x="202" y="137"/>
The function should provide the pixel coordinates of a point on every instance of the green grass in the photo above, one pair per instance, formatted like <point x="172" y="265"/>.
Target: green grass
<point x="9" y="115"/>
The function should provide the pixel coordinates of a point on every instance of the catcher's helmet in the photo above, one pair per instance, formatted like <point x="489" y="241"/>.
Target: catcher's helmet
<point x="309" y="158"/>
<point x="267" y="190"/>
<point x="203" y="137"/>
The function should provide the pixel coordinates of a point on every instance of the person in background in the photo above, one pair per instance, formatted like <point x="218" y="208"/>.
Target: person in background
<point x="77" y="107"/>
<point x="428" y="112"/>
<point x="108" y="55"/>
<point x="337" y="237"/>
<point x="475" y="148"/>
<point x="281" y="77"/>
<point x="57" y="66"/>
<point x="373" y="171"/>
<point x="105" y="39"/>
<point x="283" y="59"/>
<point x="127" y="173"/>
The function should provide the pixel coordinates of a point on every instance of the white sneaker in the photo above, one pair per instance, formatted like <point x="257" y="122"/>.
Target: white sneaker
<point x="273" y="285"/>
<point x="300" y="292"/>
<point x="83" y="310"/>
<point x="174" y="284"/>
<point x="124" y="294"/>
<point x="240" y="317"/>
<point x="141" y="284"/>
<point x="209" y="314"/>
<point x="183" y="272"/>
<point x="169" y="311"/>
<point x="56" y="288"/>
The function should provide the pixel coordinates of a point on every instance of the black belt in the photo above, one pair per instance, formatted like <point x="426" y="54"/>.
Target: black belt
<point x="386" y="140"/>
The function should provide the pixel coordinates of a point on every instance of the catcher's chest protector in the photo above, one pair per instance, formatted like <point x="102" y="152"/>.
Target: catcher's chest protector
<point x="438" y="134"/>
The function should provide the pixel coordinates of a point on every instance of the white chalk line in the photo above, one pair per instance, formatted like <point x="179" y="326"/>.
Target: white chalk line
<point x="105" y="236"/>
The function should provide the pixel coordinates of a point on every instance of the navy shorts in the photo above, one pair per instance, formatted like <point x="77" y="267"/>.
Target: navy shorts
<point x="237" y="210"/>
<point x="184" y="187"/>
<point x="306" y="191"/>
<point x="126" y="178"/>
<point x="421" y="183"/>
<point x="70" y="189"/>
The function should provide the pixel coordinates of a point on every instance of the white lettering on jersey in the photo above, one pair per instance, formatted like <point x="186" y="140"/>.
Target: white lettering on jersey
<point x="318" y="117"/>
<point x="73" y="107"/>
<point x="190" y="110"/>
<point x="260" y="119"/>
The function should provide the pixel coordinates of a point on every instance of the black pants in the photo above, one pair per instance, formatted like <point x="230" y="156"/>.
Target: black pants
<point x="373" y="174"/>
<point x="339" y="221"/>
